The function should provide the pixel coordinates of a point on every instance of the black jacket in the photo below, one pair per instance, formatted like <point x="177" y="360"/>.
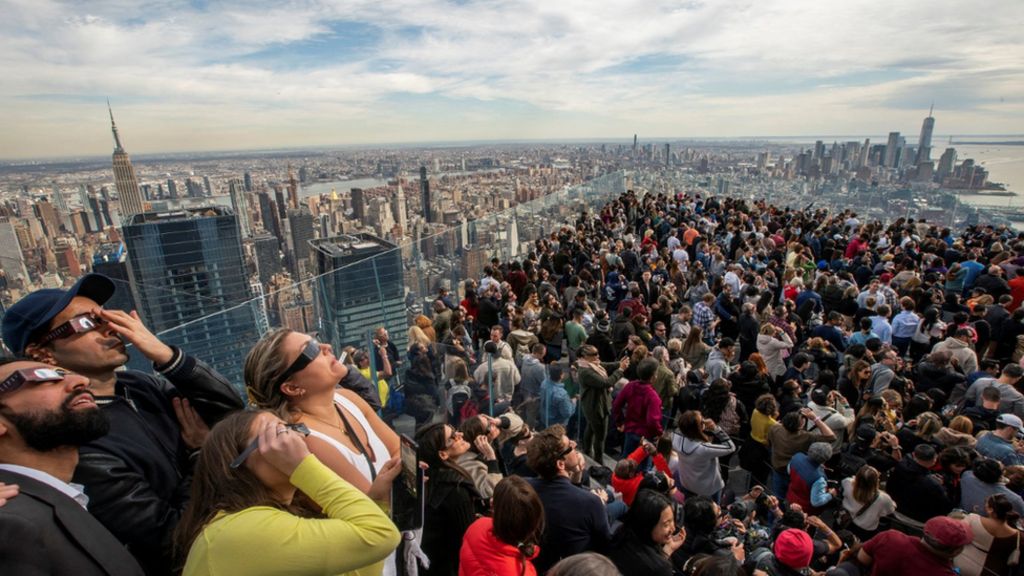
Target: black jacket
<point x="452" y="504"/>
<point x="137" y="477"/>
<point x="43" y="531"/>
<point x="916" y="493"/>
<point x="634" y="557"/>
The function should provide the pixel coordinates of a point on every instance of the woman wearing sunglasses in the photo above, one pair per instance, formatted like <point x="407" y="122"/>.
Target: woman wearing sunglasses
<point x="295" y="375"/>
<point x="451" y="500"/>
<point x="242" y="517"/>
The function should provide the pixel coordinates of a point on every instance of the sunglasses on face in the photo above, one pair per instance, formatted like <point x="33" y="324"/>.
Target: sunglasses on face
<point x="568" y="450"/>
<point x="35" y="375"/>
<point x="308" y="354"/>
<point x="300" y="428"/>
<point x="77" y="325"/>
<point x="450" y="441"/>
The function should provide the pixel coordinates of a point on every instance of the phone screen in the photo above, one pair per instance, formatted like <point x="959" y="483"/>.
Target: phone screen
<point x="407" y="489"/>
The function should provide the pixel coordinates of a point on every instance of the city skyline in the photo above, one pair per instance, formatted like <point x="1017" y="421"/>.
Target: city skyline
<point x="321" y="74"/>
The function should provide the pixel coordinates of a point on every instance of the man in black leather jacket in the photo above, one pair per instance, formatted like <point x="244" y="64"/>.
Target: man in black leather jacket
<point x="137" y="477"/>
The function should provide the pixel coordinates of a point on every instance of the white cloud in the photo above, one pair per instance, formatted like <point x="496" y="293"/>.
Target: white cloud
<point x="529" y="67"/>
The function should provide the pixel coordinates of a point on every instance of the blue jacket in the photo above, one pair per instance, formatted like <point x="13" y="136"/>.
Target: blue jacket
<point x="555" y="405"/>
<point x="992" y="446"/>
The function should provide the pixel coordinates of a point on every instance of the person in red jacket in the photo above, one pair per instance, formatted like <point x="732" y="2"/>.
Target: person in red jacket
<point x="637" y="408"/>
<point x="505" y="544"/>
<point x="628" y="477"/>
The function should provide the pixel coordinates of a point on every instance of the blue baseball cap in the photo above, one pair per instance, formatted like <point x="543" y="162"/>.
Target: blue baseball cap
<point x="34" y="312"/>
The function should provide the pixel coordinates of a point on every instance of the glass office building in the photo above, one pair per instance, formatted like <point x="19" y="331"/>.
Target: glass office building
<point x="189" y="279"/>
<point x="359" y="287"/>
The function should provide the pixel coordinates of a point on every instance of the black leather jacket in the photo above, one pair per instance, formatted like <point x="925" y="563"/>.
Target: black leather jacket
<point x="138" y="476"/>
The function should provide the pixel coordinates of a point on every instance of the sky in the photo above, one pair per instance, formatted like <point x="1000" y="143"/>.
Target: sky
<point x="195" y="76"/>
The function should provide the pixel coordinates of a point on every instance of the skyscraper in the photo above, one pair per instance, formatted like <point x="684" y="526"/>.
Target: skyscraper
<point x="268" y="257"/>
<point x="425" y="194"/>
<point x="60" y="202"/>
<point x="11" y="258"/>
<point x="359" y="287"/>
<point x="240" y="204"/>
<point x="300" y="222"/>
<point x="247" y="177"/>
<point x="293" y="189"/>
<point x="110" y="259"/>
<point x="189" y="279"/>
<point x="892" y="148"/>
<point x="924" y="142"/>
<point x="124" y="175"/>
<point x="358" y="204"/>
<point x="399" y="207"/>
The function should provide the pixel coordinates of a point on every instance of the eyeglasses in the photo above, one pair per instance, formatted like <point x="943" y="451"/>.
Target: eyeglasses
<point x="300" y="428"/>
<point x="568" y="450"/>
<point x="308" y="354"/>
<point x="450" y="441"/>
<point x="35" y="375"/>
<point x="77" y="325"/>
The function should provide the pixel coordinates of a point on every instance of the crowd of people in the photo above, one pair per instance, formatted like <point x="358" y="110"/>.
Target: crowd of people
<point x="753" y="390"/>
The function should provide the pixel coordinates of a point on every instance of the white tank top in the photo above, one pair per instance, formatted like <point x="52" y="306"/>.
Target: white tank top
<point x="356" y="418"/>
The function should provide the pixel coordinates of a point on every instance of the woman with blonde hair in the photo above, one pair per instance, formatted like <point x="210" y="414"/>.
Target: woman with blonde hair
<point x="771" y="343"/>
<point x="866" y="502"/>
<point x="960" y="432"/>
<point x="295" y="375"/>
<point x="923" y="429"/>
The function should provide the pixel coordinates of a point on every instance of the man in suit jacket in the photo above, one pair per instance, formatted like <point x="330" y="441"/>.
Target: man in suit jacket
<point x="45" y="414"/>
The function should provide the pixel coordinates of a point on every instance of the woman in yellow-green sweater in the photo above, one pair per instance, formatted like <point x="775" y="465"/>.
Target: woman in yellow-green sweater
<point x="242" y="518"/>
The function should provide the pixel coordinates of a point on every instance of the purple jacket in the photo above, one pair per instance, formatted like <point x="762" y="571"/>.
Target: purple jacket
<point x="638" y="408"/>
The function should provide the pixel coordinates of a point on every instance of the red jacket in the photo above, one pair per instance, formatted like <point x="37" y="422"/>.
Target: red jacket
<point x="638" y="409"/>
<point x="628" y="487"/>
<point x="483" y="554"/>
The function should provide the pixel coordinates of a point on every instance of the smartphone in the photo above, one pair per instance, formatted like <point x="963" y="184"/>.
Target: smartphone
<point x="407" y="497"/>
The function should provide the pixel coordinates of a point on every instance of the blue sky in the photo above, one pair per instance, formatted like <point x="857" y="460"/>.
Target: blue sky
<point x="229" y="75"/>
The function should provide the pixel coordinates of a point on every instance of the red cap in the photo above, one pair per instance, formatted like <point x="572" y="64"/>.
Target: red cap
<point x="948" y="532"/>
<point x="885" y="277"/>
<point x="794" y="548"/>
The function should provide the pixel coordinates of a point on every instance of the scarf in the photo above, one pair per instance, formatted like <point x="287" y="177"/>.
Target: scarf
<point x="595" y="366"/>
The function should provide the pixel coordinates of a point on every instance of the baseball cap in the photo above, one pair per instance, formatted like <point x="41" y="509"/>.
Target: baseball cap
<point x="947" y="532"/>
<point x="34" y="312"/>
<point x="794" y="548"/>
<point x="866" y="433"/>
<point x="1011" y="420"/>
<point x="885" y="277"/>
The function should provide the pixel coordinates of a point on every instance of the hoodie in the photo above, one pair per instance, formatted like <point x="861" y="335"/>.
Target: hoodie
<point x="638" y="408"/>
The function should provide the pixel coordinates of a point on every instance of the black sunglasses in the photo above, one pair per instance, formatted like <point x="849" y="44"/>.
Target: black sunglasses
<point x="300" y="428"/>
<point x="76" y="325"/>
<point x="36" y="375"/>
<point x="567" y="451"/>
<point x="308" y="354"/>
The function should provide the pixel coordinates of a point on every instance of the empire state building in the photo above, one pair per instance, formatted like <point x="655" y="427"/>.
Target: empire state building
<point x="124" y="176"/>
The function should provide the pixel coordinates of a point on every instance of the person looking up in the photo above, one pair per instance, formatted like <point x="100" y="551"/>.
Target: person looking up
<point x="137" y="476"/>
<point x="45" y="528"/>
<point x="243" y="517"/>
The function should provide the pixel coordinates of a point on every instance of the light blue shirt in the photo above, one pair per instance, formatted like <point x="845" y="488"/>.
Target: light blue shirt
<point x="880" y="326"/>
<point x="905" y="324"/>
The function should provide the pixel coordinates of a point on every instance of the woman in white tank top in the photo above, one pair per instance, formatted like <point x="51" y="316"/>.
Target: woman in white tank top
<point x="291" y="371"/>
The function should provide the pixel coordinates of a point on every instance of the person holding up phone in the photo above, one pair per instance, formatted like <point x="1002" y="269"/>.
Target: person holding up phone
<point x="294" y="372"/>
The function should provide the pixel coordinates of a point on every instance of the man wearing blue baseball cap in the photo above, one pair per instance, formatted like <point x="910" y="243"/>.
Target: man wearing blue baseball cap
<point x="137" y="477"/>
